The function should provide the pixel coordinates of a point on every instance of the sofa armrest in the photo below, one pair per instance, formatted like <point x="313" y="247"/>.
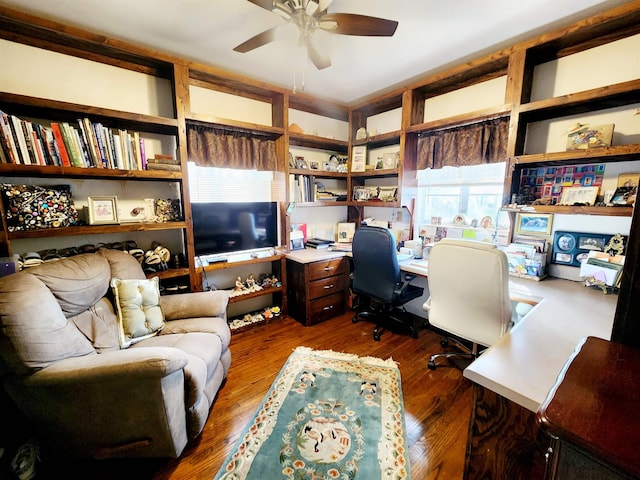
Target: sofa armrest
<point x="148" y="362"/>
<point x="194" y="305"/>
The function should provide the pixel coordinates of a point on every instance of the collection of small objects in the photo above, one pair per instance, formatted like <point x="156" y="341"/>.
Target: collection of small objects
<point x="250" y="285"/>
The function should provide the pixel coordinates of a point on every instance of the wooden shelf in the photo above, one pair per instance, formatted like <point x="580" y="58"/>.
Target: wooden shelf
<point x="313" y="141"/>
<point x="80" y="172"/>
<point x="601" y="154"/>
<point x="95" y="230"/>
<point x="259" y="293"/>
<point x="575" y="210"/>
<point x="392" y="172"/>
<point x="318" y="173"/>
<point x="171" y="273"/>
<point x="463" y="119"/>
<point x="611" y="96"/>
<point x="382" y="140"/>
<point x="234" y="125"/>
<point x="22" y="105"/>
<point x="252" y="261"/>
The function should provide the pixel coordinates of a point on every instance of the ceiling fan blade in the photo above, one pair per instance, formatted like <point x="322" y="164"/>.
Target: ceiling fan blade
<point x="318" y="60"/>
<point x="354" y="24"/>
<point x="257" y="41"/>
<point x="266" y="4"/>
<point x="324" y="4"/>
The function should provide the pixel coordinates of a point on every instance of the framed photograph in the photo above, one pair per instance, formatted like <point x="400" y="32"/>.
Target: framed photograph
<point x="361" y="194"/>
<point x="346" y="230"/>
<point x="389" y="161"/>
<point x="534" y="223"/>
<point x="580" y="195"/>
<point x="314" y="165"/>
<point x="624" y="196"/>
<point x="301" y="163"/>
<point x="387" y="194"/>
<point x="103" y="210"/>
<point x="358" y="158"/>
<point x="591" y="242"/>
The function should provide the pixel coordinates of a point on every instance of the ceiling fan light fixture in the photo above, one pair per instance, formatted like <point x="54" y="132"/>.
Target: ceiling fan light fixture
<point x="282" y="9"/>
<point x="312" y="7"/>
<point x="328" y="25"/>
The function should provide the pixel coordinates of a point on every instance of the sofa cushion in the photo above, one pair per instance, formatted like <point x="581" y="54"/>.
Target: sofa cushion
<point x="100" y="325"/>
<point x="138" y="307"/>
<point x="77" y="282"/>
<point x="122" y="264"/>
<point x="34" y="331"/>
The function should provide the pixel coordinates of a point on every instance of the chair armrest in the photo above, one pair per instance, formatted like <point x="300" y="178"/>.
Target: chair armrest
<point x="193" y="305"/>
<point x="408" y="278"/>
<point x="148" y="362"/>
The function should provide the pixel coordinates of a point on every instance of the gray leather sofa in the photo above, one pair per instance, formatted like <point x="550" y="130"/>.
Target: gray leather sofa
<point x="87" y="395"/>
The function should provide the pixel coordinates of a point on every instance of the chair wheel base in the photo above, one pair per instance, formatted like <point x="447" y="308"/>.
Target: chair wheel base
<point x="431" y="365"/>
<point x="444" y="343"/>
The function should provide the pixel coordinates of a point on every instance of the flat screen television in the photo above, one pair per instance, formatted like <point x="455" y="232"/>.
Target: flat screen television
<point x="225" y="227"/>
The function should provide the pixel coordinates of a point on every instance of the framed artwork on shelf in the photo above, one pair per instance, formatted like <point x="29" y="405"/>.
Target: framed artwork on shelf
<point x="387" y="194"/>
<point x="301" y="163"/>
<point x="358" y="158"/>
<point x="583" y="137"/>
<point x="103" y="210"/>
<point x="314" y="165"/>
<point x="534" y="223"/>
<point x="579" y="195"/>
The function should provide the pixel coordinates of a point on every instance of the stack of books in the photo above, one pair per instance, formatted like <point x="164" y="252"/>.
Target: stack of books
<point x="164" y="162"/>
<point x="318" y="243"/>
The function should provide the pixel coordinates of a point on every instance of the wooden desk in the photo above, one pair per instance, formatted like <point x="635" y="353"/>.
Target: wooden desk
<point x="513" y="377"/>
<point x="592" y="414"/>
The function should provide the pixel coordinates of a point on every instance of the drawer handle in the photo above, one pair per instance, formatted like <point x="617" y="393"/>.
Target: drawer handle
<point x="326" y="269"/>
<point x="328" y="308"/>
<point x="327" y="287"/>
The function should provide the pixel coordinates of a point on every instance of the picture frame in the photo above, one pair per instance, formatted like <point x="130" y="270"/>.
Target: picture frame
<point x="584" y="137"/>
<point x="314" y="165"/>
<point x="358" y="158"/>
<point x="534" y="223"/>
<point x="387" y="194"/>
<point x="301" y="163"/>
<point x="579" y="195"/>
<point x="361" y="194"/>
<point x="390" y="161"/>
<point x="103" y="210"/>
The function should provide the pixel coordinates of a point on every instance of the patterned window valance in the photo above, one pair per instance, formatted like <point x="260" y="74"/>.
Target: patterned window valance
<point x="476" y="144"/>
<point x="219" y="147"/>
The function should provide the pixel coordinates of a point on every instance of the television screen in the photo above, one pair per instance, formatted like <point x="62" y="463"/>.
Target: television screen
<point x="222" y="227"/>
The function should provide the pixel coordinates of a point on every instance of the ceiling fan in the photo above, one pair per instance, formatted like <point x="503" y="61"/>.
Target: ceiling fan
<point x="310" y="15"/>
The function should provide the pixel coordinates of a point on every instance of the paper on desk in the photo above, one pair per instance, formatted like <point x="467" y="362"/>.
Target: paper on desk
<point x="470" y="234"/>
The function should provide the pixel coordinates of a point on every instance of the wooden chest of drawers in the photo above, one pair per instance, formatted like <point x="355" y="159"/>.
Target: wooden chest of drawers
<point x="316" y="291"/>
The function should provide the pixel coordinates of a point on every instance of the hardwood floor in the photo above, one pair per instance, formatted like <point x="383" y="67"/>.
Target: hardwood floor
<point x="437" y="403"/>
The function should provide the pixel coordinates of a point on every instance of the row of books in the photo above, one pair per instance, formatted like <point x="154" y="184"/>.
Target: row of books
<point x="304" y="188"/>
<point x="87" y="144"/>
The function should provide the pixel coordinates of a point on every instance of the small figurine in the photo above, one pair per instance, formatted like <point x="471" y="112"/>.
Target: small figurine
<point x="239" y="285"/>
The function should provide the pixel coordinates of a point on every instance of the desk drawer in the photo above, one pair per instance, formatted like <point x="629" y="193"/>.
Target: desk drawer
<point x="326" y="268"/>
<point x="326" y="307"/>
<point x="326" y="286"/>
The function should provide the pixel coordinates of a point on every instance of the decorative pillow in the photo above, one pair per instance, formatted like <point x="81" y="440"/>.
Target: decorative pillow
<point x="138" y="306"/>
<point x="31" y="207"/>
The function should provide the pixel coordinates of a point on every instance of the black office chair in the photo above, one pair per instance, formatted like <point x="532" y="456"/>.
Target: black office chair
<point x="377" y="276"/>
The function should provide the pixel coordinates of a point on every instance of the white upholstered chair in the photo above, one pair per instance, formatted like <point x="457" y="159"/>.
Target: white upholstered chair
<point x="469" y="295"/>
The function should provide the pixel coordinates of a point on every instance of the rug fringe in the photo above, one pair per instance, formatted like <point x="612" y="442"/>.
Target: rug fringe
<point x="390" y="362"/>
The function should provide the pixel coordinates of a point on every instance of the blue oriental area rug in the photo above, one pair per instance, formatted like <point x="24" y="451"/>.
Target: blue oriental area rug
<point x="326" y="416"/>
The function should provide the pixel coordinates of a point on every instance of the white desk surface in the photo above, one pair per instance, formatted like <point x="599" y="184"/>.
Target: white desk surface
<point x="525" y="363"/>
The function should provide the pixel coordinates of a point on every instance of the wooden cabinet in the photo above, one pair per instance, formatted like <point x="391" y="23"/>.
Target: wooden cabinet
<point x="316" y="290"/>
<point x="594" y="434"/>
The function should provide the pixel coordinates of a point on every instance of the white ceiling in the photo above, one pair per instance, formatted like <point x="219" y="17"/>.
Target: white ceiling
<point x="431" y="34"/>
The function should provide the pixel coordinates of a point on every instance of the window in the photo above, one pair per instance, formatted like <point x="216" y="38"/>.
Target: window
<point x="211" y="184"/>
<point x="473" y="191"/>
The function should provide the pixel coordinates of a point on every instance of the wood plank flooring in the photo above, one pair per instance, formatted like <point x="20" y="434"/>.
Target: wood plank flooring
<point x="437" y="403"/>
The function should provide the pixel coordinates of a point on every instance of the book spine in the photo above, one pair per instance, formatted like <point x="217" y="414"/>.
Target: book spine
<point x="52" y="147"/>
<point x="62" y="148"/>
<point x="88" y="140"/>
<point x="7" y="138"/>
<point x="74" y="155"/>
<point x="97" y="128"/>
<point x="135" y="145"/>
<point x="18" y="138"/>
<point x="108" y="147"/>
<point x="143" y="154"/>
<point x="38" y="148"/>
<point x="82" y="147"/>
<point x="28" y="140"/>
<point x="117" y="146"/>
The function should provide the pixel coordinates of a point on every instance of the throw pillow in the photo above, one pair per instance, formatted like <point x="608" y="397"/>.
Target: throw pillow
<point x="138" y="306"/>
